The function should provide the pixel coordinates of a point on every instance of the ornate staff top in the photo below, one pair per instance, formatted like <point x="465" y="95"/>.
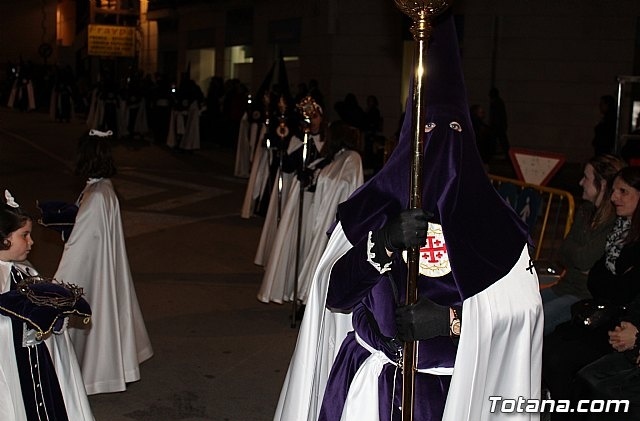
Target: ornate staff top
<point x="308" y="107"/>
<point x="421" y="11"/>
<point x="414" y="8"/>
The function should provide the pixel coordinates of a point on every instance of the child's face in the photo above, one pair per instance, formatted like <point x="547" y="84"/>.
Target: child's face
<point x="21" y="243"/>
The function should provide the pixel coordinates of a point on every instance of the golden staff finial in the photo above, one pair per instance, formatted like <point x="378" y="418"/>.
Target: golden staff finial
<point x="421" y="12"/>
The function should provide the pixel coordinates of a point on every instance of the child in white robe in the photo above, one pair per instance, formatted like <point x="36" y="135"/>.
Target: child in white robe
<point x="39" y="374"/>
<point x="95" y="257"/>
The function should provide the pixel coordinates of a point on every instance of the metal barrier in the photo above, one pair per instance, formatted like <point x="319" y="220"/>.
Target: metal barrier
<point x="549" y="214"/>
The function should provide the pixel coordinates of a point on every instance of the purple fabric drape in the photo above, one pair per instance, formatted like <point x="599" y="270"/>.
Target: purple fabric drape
<point x="484" y="235"/>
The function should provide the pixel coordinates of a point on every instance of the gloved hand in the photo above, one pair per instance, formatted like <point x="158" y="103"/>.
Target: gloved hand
<point x="421" y="321"/>
<point x="408" y="229"/>
<point x="305" y="176"/>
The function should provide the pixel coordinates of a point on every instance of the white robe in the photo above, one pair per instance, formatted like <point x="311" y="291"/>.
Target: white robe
<point x="499" y="352"/>
<point x="94" y="115"/>
<point x="140" y="125"/>
<point x="64" y="361"/>
<point x="185" y="123"/>
<point x="335" y="183"/>
<point x="270" y="225"/>
<point x="13" y="95"/>
<point x="259" y="172"/>
<point x="321" y="334"/>
<point x="244" y="149"/>
<point x="95" y="258"/>
<point x="97" y="109"/>
<point x="280" y="269"/>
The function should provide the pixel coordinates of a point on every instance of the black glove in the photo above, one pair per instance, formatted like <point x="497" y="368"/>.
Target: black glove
<point x="409" y="229"/>
<point x="423" y="320"/>
<point x="305" y="176"/>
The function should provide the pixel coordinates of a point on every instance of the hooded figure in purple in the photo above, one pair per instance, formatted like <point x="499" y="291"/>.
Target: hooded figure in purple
<point x="474" y="261"/>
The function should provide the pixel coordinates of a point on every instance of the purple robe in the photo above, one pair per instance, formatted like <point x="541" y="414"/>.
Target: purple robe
<point x="370" y="294"/>
<point x="484" y="240"/>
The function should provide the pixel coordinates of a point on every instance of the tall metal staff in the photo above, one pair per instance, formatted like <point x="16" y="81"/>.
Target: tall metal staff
<point x="263" y="141"/>
<point x="282" y="131"/>
<point x="421" y="12"/>
<point x="254" y="139"/>
<point x="309" y="111"/>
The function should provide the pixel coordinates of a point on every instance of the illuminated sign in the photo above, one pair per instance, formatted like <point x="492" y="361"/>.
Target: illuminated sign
<point x="108" y="41"/>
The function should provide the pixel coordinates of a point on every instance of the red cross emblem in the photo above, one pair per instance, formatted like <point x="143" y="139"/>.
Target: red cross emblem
<point x="434" y="260"/>
<point x="433" y="250"/>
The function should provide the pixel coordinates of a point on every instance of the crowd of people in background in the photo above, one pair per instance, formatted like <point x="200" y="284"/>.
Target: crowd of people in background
<point x="179" y="114"/>
<point x="27" y="87"/>
<point x="144" y="105"/>
<point x="491" y="135"/>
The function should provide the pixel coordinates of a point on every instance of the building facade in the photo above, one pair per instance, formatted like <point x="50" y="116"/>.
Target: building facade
<point x="550" y="60"/>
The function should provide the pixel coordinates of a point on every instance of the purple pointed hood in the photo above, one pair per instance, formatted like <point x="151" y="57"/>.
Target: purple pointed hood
<point x="484" y="235"/>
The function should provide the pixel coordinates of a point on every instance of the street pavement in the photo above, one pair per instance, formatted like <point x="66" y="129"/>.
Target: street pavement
<point x="220" y="354"/>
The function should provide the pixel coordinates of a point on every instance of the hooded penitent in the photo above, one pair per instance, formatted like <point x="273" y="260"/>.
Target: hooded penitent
<point x="256" y="112"/>
<point x="352" y="301"/>
<point x="484" y="237"/>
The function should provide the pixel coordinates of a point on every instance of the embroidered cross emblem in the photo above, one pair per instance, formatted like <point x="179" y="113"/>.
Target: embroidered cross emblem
<point x="433" y="250"/>
<point x="434" y="258"/>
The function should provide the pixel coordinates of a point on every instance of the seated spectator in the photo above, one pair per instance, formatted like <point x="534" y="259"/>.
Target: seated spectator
<point x="613" y="283"/>
<point x="616" y="375"/>
<point x="584" y="244"/>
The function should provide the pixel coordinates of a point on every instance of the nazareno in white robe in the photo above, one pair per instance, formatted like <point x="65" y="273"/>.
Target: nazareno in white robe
<point x="259" y="173"/>
<point x="335" y="182"/>
<point x="64" y="361"/>
<point x="185" y="123"/>
<point x="282" y="235"/>
<point x="270" y="225"/>
<point x="499" y="353"/>
<point x="95" y="258"/>
<point x="244" y="148"/>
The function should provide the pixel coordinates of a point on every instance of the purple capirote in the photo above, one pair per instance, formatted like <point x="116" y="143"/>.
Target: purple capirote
<point x="484" y="239"/>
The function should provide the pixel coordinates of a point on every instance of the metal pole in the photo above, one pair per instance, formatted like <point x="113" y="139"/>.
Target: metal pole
<point x="421" y="13"/>
<point x="294" y="306"/>
<point x="282" y="132"/>
<point x="308" y="110"/>
<point x="280" y="184"/>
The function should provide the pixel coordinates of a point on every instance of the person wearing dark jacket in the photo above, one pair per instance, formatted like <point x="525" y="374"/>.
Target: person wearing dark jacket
<point x="613" y="284"/>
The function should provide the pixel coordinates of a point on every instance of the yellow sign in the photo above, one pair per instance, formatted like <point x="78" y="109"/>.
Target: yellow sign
<point x="108" y="41"/>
